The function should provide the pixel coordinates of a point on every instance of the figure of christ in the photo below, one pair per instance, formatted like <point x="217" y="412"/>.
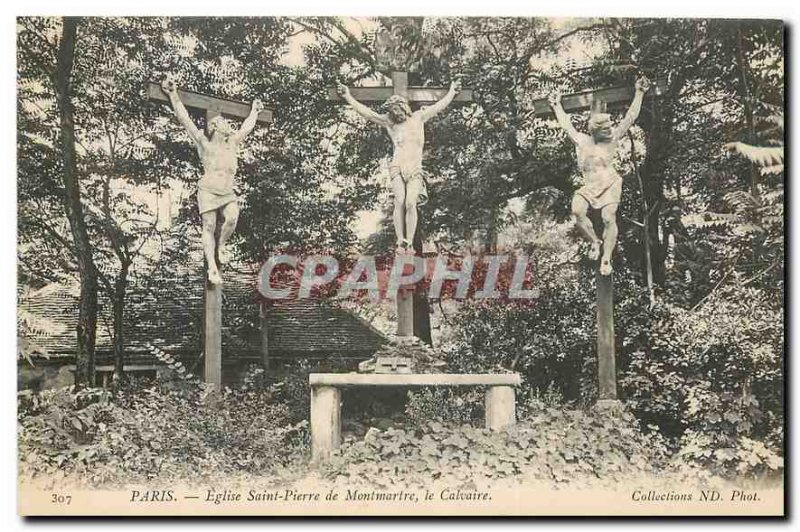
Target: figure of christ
<point x="407" y="131"/>
<point x="215" y="195"/>
<point x="602" y="189"/>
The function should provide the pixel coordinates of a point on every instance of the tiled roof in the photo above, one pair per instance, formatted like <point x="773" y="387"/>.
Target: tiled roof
<point x="305" y="327"/>
<point x="167" y="311"/>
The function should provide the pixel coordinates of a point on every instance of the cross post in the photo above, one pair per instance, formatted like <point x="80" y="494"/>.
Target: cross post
<point x="212" y="296"/>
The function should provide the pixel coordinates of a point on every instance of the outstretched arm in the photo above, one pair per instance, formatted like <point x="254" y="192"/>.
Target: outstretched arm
<point x="360" y="108"/>
<point x="563" y="118"/>
<point x="642" y="86"/>
<point x="249" y="123"/>
<point x="438" y="107"/>
<point x="186" y="121"/>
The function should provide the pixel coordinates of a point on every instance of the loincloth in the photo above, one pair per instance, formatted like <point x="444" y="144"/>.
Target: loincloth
<point x="602" y="192"/>
<point x="211" y="201"/>
<point x="408" y="177"/>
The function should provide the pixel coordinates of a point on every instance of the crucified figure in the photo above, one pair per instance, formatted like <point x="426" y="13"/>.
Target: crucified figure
<point x="603" y="188"/>
<point x="407" y="131"/>
<point x="215" y="196"/>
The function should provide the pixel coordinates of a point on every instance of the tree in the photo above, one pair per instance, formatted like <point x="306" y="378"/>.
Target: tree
<point x="87" y="308"/>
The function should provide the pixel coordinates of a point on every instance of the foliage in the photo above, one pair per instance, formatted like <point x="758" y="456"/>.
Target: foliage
<point x="700" y="357"/>
<point x="713" y="377"/>
<point x="556" y="445"/>
<point x="156" y="434"/>
<point x="449" y="405"/>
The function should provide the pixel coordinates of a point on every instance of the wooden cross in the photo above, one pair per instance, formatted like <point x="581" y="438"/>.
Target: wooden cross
<point x="418" y="95"/>
<point x="606" y="353"/>
<point x="582" y="101"/>
<point x="212" y="105"/>
<point x="414" y="95"/>
<point x="212" y="322"/>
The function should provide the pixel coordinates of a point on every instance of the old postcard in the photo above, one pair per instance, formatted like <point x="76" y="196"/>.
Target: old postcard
<point x="400" y="266"/>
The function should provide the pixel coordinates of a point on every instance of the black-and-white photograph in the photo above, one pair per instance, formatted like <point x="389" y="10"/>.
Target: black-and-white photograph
<point x="409" y="265"/>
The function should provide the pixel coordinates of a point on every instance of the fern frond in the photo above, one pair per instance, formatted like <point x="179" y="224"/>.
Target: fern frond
<point x="762" y="156"/>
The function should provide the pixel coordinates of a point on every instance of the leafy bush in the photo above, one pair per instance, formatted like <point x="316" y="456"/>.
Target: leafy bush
<point x="550" y="340"/>
<point x="548" y="444"/>
<point x="709" y="374"/>
<point x="444" y="404"/>
<point x="152" y="433"/>
<point x="713" y="377"/>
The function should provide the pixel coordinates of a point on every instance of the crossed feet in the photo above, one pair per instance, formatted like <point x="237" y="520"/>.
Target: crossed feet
<point x="594" y="254"/>
<point x="224" y="257"/>
<point x="404" y="247"/>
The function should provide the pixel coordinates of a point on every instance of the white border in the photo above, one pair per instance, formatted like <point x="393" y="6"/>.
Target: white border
<point x="785" y="10"/>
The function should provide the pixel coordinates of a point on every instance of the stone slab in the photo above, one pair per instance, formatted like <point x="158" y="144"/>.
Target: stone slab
<point x="414" y="379"/>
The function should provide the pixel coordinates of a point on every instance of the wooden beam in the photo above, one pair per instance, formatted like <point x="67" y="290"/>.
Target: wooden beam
<point x="212" y="335"/>
<point x="400" y="83"/>
<point x="195" y="100"/>
<point x="423" y="95"/>
<point x="582" y="101"/>
<point x="606" y="356"/>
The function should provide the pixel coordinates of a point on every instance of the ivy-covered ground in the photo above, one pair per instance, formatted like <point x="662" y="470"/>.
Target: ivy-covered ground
<point x="162" y="435"/>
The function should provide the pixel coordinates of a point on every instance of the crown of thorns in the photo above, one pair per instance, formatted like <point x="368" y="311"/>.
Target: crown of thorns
<point x="395" y="100"/>
<point x="599" y="121"/>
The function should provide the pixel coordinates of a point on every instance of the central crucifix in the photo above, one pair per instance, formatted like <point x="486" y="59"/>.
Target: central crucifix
<point x="405" y="126"/>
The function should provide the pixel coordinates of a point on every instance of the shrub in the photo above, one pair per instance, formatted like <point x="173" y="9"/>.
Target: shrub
<point x="712" y="378"/>
<point x="709" y="374"/>
<point x="151" y="433"/>
<point x="444" y="404"/>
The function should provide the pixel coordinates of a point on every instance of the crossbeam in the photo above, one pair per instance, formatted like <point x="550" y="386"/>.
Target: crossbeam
<point x="582" y="101"/>
<point x="210" y="104"/>
<point x="422" y="95"/>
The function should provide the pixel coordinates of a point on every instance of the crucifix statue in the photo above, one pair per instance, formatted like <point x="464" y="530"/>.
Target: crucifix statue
<point x="219" y="156"/>
<point x="397" y="49"/>
<point x="406" y="128"/>
<point x="602" y="190"/>
<point x="215" y="196"/>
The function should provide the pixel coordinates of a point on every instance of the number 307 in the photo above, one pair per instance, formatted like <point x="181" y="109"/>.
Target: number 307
<point x="61" y="499"/>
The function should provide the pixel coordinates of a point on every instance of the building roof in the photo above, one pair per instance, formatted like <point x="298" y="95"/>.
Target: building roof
<point x="167" y="311"/>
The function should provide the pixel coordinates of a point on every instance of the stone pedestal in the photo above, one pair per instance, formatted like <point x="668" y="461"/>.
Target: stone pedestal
<point x="326" y="423"/>
<point x="500" y="407"/>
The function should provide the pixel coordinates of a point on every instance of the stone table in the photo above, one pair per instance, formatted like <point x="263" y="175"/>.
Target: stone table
<point x="326" y="419"/>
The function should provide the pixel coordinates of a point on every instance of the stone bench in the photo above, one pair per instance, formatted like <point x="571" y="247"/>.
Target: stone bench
<point x="326" y="421"/>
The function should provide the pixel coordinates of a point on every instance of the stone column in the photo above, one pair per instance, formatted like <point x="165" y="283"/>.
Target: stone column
<point x="326" y="421"/>
<point x="500" y="407"/>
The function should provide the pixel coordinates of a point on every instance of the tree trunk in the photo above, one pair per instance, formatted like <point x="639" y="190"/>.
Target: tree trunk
<point x="747" y="103"/>
<point x="87" y="307"/>
<point x="120" y="287"/>
<point x="656" y="125"/>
